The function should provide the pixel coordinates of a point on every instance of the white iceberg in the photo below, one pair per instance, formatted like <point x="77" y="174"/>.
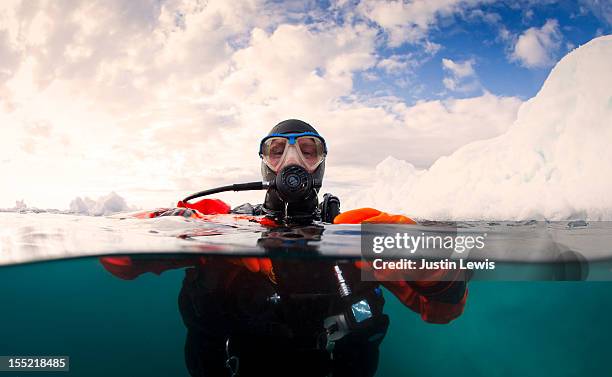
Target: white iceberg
<point x="104" y="206"/>
<point x="554" y="162"/>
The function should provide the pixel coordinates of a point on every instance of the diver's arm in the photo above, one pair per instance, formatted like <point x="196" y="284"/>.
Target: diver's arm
<point x="438" y="298"/>
<point x="129" y="268"/>
<point x="441" y="305"/>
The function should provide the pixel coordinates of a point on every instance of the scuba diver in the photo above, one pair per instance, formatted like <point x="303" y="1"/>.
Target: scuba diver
<point x="283" y="316"/>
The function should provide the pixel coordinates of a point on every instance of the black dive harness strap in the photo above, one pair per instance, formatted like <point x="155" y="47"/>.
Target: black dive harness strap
<point x="361" y="322"/>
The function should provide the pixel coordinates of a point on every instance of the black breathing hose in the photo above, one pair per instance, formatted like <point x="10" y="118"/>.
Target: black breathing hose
<point x="235" y="187"/>
<point x="293" y="183"/>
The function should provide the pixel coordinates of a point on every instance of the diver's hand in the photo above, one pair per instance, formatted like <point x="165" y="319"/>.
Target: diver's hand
<point x="258" y="265"/>
<point x="370" y="215"/>
<point x="263" y="265"/>
<point x="424" y="278"/>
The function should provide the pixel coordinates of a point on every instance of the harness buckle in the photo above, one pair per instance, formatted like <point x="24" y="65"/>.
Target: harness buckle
<point x="232" y="362"/>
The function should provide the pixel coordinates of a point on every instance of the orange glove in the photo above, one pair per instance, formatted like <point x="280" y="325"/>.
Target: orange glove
<point x="415" y="289"/>
<point x="370" y="215"/>
<point x="262" y="265"/>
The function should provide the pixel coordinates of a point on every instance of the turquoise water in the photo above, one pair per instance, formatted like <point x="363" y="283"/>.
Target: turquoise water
<point x="133" y="328"/>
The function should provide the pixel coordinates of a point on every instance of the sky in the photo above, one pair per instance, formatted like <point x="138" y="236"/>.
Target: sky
<point x="158" y="99"/>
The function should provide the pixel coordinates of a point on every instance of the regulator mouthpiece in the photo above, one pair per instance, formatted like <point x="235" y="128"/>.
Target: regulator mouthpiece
<point x="294" y="184"/>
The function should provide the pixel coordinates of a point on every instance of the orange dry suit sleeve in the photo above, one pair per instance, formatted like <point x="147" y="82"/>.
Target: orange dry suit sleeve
<point x="435" y="300"/>
<point x="128" y="268"/>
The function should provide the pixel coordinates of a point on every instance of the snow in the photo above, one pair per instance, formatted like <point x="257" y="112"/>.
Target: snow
<point x="553" y="162"/>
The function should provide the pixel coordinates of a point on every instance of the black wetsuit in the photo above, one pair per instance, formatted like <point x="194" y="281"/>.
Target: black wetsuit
<point x="273" y="329"/>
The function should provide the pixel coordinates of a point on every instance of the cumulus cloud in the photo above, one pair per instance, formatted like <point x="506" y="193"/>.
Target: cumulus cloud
<point x="491" y="18"/>
<point x="537" y="47"/>
<point x="600" y="8"/>
<point x="395" y="64"/>
<point x="504" y="34"/>
<point x="159" y="99"/>
<point x="420" y="133"/>
<point x="172" y="90"/>
<point x="459" y="69"/>
<point x="406" y="64"/>
<point x="460" y="76"/>
<point x="432" y="48"/>
<point x="410" y="21"/>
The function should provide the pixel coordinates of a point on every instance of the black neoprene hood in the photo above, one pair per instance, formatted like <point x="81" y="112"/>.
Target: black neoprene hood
<point x="273" y="204"/>
<point x="292" y="126"/>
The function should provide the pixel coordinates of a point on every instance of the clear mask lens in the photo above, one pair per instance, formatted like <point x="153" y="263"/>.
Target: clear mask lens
<point x="307" y="151"/>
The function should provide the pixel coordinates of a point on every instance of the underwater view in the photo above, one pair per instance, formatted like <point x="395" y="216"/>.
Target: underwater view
<point x="109" y="326"/>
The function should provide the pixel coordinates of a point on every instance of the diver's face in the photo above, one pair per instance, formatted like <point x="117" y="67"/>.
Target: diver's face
<point x="309" y="150"/>
<point x="306" y="152"/>
<point x="277" y="148"/>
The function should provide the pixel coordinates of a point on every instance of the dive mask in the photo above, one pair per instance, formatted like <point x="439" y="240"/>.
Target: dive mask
<point x="306" y="149"/>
